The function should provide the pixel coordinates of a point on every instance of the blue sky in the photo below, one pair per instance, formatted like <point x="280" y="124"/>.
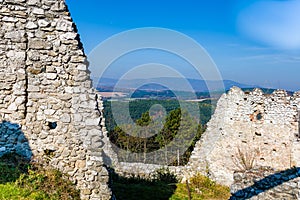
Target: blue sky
<point x="251" y="41"/>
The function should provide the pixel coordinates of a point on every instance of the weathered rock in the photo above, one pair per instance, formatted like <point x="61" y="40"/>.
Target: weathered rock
<point x="39" y="44"/>
<point x="38" y="11"/>
<point x="42" y="90"/>
<point x="254" y="184"/>
<point x="43" y="23"/>
<point x="31" y="25"/>
<point x="258" y="128"/>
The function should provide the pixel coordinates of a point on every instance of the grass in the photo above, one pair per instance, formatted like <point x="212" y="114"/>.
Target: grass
<point x="164" y="186"/>
<point x="201" y="187"/>
<point x="160" y="187"/>
<point x="245" y="158"/>
<point x="10" y="191"/>
<point x="22" y="180"/>
<point x="11" y="167"/>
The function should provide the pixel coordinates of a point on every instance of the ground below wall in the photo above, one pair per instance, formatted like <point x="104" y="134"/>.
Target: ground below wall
<point x="259" y="183"/>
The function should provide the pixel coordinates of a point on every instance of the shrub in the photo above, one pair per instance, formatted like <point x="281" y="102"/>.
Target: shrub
<point x="201" y="187"/>
<point x="11" y="167"/>
<point x="164" y="175"/>
<point x="160" y="186"/>
<point x="20" y="179"/>
<point x="50" y="182"/>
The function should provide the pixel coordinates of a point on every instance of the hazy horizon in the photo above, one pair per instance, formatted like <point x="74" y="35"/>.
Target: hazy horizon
<point x="239" y="35"/>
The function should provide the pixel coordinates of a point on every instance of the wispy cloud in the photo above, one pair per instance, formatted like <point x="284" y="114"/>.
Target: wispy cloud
<point x="258" y="48"/>
<point x="276" y="23"/>
<point x="271" y="58"/>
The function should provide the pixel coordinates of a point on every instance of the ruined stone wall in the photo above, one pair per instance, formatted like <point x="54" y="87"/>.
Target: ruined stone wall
<point x="258" y="127"/>
<point x="254" y="126"/>
<point x="266" y="184"/>
<point x="47" y="108"/>
<point x="45" y="93"/>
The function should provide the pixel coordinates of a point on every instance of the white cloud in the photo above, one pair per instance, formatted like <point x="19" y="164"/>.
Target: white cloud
<point x="275" y="23"/>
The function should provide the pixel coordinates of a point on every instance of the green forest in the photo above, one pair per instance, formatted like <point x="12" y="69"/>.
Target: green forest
<point x="154" y="130"/>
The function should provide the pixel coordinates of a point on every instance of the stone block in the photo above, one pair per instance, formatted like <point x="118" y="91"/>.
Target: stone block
<point x="31" y="25"/>
<point x="65" y="118"/>
<point x="38" y="11"/>
<point x="43" y="23"/>
<point x="64" y="25"/>
<point x="39" y="44"/>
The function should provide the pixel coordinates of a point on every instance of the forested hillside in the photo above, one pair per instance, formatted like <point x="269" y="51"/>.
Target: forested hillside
<point x="163" y="120"/>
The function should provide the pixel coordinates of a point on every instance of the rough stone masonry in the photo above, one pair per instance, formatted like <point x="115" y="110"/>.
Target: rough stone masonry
<point x="257" y="127"/>
<point x="46" y="95"/>
<point x="48" y="108"/>
<point x="264" y="128"/>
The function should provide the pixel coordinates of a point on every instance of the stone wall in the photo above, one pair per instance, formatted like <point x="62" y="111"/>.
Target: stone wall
<point x="146" y="170"/>
<point x="258" y="127"/>
<point x="48" y="108"/>
<point x="265" y="183"/>
<point x="13" y="140"/>
<point x="45" y="89"/>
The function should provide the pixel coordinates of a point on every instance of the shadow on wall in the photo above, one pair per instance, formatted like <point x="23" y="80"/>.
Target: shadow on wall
<point x="268" y="183"/>
<point x="15" y="152"/>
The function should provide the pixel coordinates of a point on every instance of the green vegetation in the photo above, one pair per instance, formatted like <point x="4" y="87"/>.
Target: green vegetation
<point x="138" y="142"/>
<point x="138" y="107"/>
<point x="201" y="187"/>
<point x="264" y="90"/>
<point x="164" y="185"/>
<point x="21" y="180"/>
<point x="160" y="187"/>
<point x="156" y="130"/>
<point x="12" y="166"/>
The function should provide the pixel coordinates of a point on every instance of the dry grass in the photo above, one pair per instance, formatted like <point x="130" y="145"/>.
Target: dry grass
<point x="21" y="180"/>
<point x="201" y="187"/>
<point x="245" y="158"/>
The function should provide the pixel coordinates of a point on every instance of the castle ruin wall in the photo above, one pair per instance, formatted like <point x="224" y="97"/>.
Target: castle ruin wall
<point x="252" y="125"/>
<point x="45" y="93"/>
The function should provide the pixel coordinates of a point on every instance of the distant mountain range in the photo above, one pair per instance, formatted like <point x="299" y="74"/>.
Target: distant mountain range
<point x="167" y="83"/>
